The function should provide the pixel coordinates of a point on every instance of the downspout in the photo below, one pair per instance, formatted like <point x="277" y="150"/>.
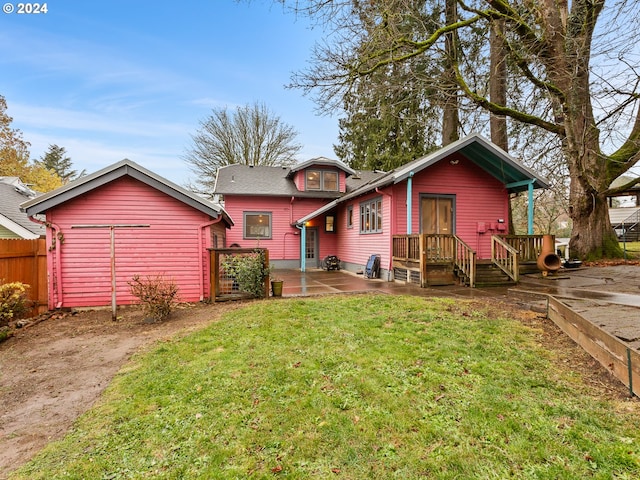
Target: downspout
<point x="291" y="209"/>
<point x="409" y="201"/>
<point x="530" y="209"/>
<point x="393" y="223"/>
<point x="201" y="228"/>
<point x="58" y="260"/>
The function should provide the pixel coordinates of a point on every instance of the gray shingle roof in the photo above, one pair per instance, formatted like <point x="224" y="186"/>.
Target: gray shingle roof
<point x="124" y="167"/>
<point x="276" y="181"/>
<point x="12" y="194"/>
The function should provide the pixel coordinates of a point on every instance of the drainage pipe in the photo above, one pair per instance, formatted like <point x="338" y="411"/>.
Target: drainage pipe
<point x="57" y="238"/>
<point x="303" y="253"/>
<point x="393" y="223"/>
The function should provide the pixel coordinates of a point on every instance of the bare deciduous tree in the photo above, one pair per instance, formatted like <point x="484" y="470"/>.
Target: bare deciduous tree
<point x="577" y="61"/>
<point x="250" y="135"/>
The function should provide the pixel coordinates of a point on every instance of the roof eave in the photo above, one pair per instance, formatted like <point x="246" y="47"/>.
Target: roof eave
<point x="120" y="169"/>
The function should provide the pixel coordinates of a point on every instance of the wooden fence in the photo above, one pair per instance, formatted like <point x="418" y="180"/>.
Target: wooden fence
<point x="612" y="353"/>
<point x="26" y="261"/>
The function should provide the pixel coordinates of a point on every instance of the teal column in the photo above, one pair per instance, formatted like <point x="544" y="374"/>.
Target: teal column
<point x="303" y="249"/>
<point x="530" y="209"/>
<point x="409" y="201"/>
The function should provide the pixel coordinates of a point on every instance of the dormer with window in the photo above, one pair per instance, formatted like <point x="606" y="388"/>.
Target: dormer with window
<point x="321" y="175"/>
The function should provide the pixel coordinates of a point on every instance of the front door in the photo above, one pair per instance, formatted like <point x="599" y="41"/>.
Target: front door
<point x="311" y="247"/>
<point x="437" y="215"/>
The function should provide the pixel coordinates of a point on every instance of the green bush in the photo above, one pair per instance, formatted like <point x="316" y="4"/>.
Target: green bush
<point x="157" y="295"/>
<point x="13" y="301"/>
<point x="248" y="271"/>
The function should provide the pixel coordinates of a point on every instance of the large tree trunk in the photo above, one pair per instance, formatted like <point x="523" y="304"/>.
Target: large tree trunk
<point x="498" y="84"/>
<point x="568" y="50"/>
<point x="592" y="236"/>
<point x="450" y="116"/>
<point x="498" y="95"/>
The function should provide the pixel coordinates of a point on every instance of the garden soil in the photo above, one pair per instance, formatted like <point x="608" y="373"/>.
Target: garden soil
<point x="54" y="369"/>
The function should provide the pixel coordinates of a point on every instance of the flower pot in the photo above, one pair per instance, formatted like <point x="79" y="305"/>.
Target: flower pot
<point x="276" y="288"/>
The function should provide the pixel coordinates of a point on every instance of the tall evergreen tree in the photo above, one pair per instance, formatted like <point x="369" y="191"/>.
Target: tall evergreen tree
<point x="55" y="159"/>
<point x="579" y="59"/>
<point x="391" y="115"/>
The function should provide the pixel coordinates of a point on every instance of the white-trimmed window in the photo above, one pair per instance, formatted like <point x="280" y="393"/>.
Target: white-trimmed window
<point x="323" y="180"/>
<point x="350" y="216"/>
<point x="371" y="216"/>
<point x="257" y="225"/>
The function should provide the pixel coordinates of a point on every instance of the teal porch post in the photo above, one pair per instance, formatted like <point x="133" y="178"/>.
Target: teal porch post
<point x="409" y="201"/>
<point x="530" y="209"/>
<point x="303" y="250"/>
<point x="529" y="184"/>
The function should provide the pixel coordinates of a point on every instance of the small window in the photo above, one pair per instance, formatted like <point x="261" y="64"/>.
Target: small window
<point x="350" y="216"/>
<point x="330" y="223"/>
<point x="313" y="180"/>
<point x="371" y="216"/>
<point x="330" y="181"/>
<point x="257" y="225"/>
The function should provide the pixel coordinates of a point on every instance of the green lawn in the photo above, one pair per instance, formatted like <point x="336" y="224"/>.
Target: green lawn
<point x="350" y="387"/>
<point x="633" y="249"/>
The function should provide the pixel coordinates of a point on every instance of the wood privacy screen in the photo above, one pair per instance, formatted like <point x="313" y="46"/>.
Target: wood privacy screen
<point x="26" y="261"/>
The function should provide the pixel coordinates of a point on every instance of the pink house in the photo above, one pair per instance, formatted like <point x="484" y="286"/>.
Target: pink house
<point x="122" y="221"/>
<point x="436" y="218"/>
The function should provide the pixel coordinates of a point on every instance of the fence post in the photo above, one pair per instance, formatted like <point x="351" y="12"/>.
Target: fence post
<point x="267" y="280"/>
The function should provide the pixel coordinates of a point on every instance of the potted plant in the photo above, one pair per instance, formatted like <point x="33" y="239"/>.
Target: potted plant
<point x="276" y="285"/>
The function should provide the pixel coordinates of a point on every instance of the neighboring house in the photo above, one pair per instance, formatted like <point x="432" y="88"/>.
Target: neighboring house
<point x="322" y="207"/>
<point x="14" y="223"/>
<point x="625" y="217"/>
<point x="126" y="218"/>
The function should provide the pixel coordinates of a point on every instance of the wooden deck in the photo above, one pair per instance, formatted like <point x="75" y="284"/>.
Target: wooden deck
<point x="430" y="260"/>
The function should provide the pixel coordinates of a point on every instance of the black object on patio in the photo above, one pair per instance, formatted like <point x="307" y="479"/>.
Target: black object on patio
<point x="331" y="262"/>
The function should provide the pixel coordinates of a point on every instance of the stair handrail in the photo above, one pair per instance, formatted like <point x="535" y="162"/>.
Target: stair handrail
<point x="505" y="257"/>
<point x="634" y="219"/>
<point x="465" y="260"/>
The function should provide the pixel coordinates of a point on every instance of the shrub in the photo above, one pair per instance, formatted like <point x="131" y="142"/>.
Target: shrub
<point x="157" y="294"/>
<point x="13" y="301"/>
<point x="249" y="271"/>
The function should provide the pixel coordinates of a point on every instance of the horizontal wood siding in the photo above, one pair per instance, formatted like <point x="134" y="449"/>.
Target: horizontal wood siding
<point x="5" y="233"/>
<point x="356" y="248"/>
<point x="170" y="246"/>
<point x="479" y="198"/>
<point x="285" y="238"/>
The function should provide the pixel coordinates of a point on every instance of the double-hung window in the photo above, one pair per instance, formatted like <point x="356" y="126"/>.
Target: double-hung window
<point x="323" y="180"/>
<point x="371" y="216"/>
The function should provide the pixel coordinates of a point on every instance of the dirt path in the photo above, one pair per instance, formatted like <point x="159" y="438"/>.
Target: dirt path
<point x="53" y="371"/>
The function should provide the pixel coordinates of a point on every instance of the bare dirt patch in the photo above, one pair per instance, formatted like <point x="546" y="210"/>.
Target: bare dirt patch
<point x="53" y="371"/>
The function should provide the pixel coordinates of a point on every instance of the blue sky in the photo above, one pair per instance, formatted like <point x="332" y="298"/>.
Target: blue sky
<point x="118" y="79"/>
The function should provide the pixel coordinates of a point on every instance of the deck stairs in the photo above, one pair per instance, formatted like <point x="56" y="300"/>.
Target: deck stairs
<point x="629" y="229"/>
<point x="488" y="274"/>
